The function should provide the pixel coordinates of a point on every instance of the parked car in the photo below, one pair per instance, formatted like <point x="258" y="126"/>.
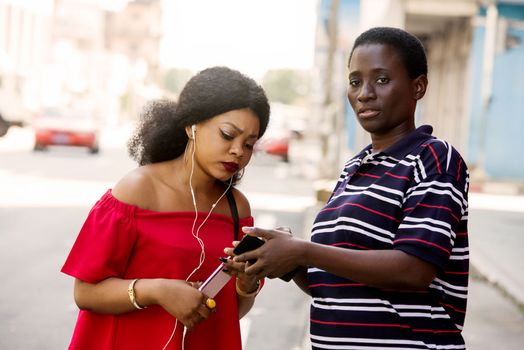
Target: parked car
<point x="287" y="124"/>
<point x="276" y="144"/>
<point x="55" y="126"/>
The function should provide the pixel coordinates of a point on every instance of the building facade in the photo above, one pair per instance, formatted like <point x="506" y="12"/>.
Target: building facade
<point x="24" y="41"/>
<point x="475" y="53"/>
<point x="79" y="54"/>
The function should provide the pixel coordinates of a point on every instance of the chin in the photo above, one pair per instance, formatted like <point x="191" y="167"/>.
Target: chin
<point x="224" y="177"/>
<point x="369" y="126"/>
<point x="374" y="126"/>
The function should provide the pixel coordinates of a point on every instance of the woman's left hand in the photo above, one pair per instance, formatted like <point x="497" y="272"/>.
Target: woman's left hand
<point x="237" y="269"/>
<point x="280" y="254"/>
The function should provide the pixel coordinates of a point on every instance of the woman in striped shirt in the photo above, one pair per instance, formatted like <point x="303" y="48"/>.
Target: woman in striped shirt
<point x="387" y="264"/>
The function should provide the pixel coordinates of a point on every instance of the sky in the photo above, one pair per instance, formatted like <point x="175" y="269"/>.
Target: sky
<point x="45" y="6"/>
<point x="252" y="36"/>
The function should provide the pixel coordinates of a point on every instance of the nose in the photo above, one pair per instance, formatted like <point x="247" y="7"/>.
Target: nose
<point x="236" y="149"/>
<point x="366" y="92"/>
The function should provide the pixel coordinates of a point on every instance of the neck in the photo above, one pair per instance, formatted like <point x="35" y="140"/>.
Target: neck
<point x="380" y="142"/>
<point x="200" y="182"/>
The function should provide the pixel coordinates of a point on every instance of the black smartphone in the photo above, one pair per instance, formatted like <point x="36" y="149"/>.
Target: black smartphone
<point x="248" y="243"/>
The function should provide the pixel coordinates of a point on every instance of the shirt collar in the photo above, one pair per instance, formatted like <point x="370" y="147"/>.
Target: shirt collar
<point x="406" y="144"/>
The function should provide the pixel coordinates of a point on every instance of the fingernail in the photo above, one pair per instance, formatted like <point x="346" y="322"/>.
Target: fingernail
<point x="247" y="229"/>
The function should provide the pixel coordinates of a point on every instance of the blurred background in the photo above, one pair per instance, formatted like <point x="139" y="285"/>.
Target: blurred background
<point x="75" y="74"/>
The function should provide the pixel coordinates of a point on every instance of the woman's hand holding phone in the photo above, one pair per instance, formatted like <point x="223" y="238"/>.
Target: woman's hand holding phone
<point x="183" y="301"/>
<point x="278" y="257"/>
<point x="247" y="243"/>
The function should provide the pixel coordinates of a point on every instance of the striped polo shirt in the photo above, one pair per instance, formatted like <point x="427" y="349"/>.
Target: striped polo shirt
<point x="412" y="197"/>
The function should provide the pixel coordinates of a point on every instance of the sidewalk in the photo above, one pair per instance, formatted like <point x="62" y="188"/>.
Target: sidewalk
<point x="496" y="236"/>
<point x="495" y="316"/>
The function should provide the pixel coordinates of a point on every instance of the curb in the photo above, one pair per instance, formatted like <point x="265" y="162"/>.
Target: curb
<point x="480" y="267"/>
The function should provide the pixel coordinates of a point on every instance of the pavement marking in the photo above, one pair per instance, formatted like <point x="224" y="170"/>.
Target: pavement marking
<point x="488" y="201"/>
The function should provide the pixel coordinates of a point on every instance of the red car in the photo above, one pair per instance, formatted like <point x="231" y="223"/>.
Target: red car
<point x="65" y="128"/>
<point x="275" y="146"/>
<point x="275" y="143"/>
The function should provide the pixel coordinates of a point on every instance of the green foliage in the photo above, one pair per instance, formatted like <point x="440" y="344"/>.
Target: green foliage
<point x="286" y="85"/>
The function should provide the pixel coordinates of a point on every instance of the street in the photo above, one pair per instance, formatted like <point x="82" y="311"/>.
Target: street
<point x="45" y="197"/>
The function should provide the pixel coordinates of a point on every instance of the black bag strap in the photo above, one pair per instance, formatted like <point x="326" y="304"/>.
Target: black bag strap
<point x="234" y="211"/>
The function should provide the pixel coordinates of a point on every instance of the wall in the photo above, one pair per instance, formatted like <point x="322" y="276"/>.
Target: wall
<point x="502" y="142"/>
<point x="445" y="105"/>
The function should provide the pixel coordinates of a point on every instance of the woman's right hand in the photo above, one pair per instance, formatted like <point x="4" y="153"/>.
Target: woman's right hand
<point x="183" y="301"/>
<point x="280" y="254"/>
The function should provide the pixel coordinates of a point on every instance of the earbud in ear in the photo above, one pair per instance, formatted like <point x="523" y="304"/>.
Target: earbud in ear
<point x="193" y="130"/>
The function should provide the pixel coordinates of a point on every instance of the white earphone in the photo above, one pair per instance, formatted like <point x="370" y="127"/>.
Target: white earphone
<point x="195" y="230"/>
<point x="193" y="132"/>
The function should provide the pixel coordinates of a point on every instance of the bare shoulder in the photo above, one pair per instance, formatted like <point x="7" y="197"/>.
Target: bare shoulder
<point x="136" y="188"/>
<point x="244" y="209"/>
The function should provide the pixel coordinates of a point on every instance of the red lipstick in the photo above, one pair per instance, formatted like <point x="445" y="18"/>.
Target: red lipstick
<point x="230" y="167"/>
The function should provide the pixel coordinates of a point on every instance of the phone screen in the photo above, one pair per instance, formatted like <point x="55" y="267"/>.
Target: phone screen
<point x="215" y="282"/>
<point x="247" y="244"/>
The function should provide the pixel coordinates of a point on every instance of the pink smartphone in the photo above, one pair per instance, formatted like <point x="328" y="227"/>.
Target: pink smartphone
<point x="215" y="282"/>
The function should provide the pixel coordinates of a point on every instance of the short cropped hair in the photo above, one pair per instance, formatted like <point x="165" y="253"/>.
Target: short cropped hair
<point x="407" y="45"/>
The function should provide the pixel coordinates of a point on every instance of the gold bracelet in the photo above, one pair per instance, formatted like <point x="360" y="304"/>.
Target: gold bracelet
<point x="131" y="292"/>
<point x="245" y="294"/>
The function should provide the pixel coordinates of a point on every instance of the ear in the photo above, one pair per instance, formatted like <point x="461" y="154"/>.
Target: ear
<point x="420" y="85"/>
<point x="189" y="132"/>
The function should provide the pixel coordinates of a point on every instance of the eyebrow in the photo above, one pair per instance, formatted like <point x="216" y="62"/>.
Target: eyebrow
<point x="240" y="130"/>
<point x="373" y="71"/>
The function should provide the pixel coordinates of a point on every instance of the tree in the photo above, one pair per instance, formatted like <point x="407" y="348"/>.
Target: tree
<point x="285" y="85"/>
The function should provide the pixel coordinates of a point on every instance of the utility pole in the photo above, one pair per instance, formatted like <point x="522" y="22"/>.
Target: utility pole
<point x="329" y="131"/>
<point x="490" y="40"/>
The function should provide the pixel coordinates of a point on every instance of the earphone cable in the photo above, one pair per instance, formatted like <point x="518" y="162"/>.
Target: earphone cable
<point x="196" y="234"/>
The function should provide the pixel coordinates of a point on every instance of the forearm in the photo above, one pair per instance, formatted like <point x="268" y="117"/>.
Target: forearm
<point x="378" y="268"/>
<point x="300" y="280"/>
<point x="244" y="305"/>
<point x="110" y="296"/>
<point x="246" y="298"/>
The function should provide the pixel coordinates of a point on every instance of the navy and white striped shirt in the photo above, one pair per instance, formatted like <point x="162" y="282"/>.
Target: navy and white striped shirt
<point x="411" y="197"/>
